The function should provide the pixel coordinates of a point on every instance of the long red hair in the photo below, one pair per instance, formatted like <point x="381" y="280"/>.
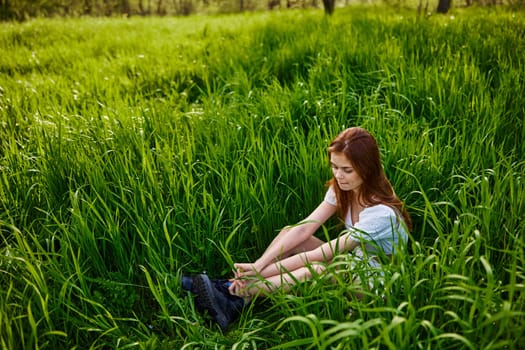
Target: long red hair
<point x="361" y="149"/>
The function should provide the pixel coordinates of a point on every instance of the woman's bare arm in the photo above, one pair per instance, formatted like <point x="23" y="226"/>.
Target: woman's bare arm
<point x="324" y="253"/>
<point x="286" y="242"/>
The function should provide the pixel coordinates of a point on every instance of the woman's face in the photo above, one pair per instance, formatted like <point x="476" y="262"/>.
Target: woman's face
<point x="347" y="178"/>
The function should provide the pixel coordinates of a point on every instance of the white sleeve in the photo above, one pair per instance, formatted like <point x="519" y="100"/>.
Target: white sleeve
<point x="378" y="225"/>
<point x="329" y="197"/>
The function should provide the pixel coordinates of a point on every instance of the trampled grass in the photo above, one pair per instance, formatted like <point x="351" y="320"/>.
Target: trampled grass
<point x="133" y="150"/>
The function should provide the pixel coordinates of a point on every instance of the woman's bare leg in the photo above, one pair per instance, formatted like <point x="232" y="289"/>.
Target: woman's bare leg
<point x="282" y="281"/>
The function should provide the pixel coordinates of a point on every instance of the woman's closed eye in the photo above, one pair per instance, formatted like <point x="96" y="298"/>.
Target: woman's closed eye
<point x="344" y="169"/>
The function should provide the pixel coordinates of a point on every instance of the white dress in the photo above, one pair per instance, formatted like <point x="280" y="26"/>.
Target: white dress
<point x="379" y="228"/>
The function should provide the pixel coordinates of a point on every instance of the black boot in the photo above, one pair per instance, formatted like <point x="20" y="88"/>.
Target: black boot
<point x="215" y="298"/>
<point x="187" y="283"/>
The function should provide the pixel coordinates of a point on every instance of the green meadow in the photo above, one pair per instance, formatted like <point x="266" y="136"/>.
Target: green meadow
<point x="133" y="150"/>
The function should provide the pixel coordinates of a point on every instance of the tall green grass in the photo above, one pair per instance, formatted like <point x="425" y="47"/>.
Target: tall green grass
<point x="137" y="149"/>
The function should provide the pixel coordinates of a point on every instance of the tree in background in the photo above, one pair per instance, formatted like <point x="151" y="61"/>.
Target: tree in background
<point x="329" y="6"/>
<point x="184" y="7"/>
<point x="24" y="9"/>
<point x="444" y="6"/>
<point x="5" y="10"/>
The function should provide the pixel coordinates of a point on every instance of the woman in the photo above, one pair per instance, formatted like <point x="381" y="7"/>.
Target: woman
<point x="375" y="220"/>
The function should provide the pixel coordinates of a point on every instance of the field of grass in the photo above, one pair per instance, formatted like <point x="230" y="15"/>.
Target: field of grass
<point x="134" y="150"/>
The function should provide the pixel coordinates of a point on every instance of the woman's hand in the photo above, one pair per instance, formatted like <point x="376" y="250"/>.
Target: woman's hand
<point x="245" y="270"/>
<point x="244" y="274"/>
<point x="239" y="288"/>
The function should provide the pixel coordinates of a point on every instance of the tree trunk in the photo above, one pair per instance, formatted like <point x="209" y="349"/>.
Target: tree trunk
<point x="421" y="9"/>
<point x="443" y="6"/>
<point x="273" y="3"/>
<point x="124" y="7"/>
<point x="88" y="8"/>
<point x="329" y="6"/>
<point x="5" y="9"/>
